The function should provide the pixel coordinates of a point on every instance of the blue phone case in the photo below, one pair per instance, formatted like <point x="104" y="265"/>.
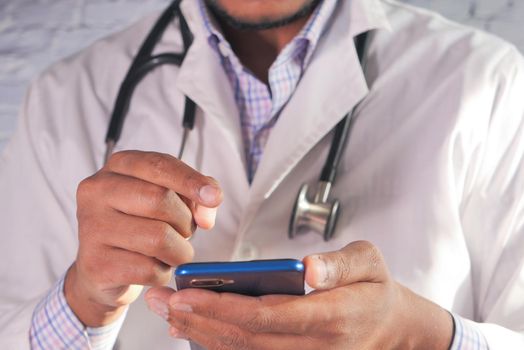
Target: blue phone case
<point x="254" y="278"/>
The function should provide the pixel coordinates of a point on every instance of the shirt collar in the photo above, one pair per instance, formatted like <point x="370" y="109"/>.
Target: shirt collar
<point x="314" y="28"/>
<point x="301" y="47"/>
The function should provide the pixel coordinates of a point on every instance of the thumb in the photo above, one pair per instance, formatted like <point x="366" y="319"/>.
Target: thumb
<point x="203" y="215"/>
<point x="157" y="300"/>
<point x="359" y="261"/>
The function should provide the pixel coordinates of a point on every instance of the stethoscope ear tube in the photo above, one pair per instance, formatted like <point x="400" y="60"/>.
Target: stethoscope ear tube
<point x="338" y="145"/>
<point x="329" y="171"/>
<point x="144" y="63"/>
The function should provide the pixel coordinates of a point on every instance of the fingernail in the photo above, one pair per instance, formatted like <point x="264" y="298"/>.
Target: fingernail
<point x="181" y="307"/>
<point x="175" y="333"/>
<point x="158" y="307"/>
<point x="209" y="194"/>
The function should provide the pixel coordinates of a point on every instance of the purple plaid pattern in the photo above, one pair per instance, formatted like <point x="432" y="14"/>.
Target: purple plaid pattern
<point x="259" y="105"/>
<point x="467" y="336"/>
<point x="55" y="326"/>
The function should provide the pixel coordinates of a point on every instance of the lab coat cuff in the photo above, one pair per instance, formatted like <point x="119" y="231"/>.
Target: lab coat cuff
<point x="467" y="335"/>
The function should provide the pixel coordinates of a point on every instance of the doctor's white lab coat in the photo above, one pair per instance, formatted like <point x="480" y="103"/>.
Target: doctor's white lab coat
<point x="433" y="172"/>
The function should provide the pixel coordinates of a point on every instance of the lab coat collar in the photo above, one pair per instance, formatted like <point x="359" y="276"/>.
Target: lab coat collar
<point x="202" y="78"/>
<point x="332" y="85"/>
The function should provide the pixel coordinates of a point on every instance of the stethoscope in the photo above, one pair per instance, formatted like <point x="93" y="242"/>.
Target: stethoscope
<point x="318" y="213"/>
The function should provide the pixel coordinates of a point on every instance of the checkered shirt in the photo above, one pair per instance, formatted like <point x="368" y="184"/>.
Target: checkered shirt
<point x="259" y="104"/>
<point x="467" y="335"/>
<point x="54" y="325"/>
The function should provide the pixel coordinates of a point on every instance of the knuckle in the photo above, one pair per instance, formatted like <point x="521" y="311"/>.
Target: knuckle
<point x="366" y="247"/>
<point x="185" y="324"/>
<point x="192" y="180"/>
<point x="164" y="243"/>
<point x="339" y="328"/>
<point x="259" y="321"/>
<point x="159" y="198"/>
<point x="373" y="258"/>
<point x="85" y="224"/>
<point x="162" y="238"/>
<point x="93" y="226"/>
<point x="158" y="162"/>
<point x="86" y="188"/>
<point x="362" y="246"/>
<point x="373" y="254"/>
<point x="118" y="158"/>
<point x="233" y="338"/>
<point x="212" y="312"/>
<point x="91" y="193"/>
<point x="342" y="267"/>
<point x="92" y="223"/>
<point x="164" y="203"/>
<point x="223" y="346"/>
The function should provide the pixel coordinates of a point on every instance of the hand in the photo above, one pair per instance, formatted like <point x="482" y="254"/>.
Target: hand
<point x="356" y="306"/>
<point x="133" y="218"/>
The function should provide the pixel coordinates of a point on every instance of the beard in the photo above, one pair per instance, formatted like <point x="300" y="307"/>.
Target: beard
<point x="261" y="24"/>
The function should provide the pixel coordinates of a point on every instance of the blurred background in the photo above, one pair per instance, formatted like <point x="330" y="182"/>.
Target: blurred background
<point x="35" y="33"/>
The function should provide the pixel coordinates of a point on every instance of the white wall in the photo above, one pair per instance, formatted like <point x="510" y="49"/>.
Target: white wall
<point x="35" y="33"/>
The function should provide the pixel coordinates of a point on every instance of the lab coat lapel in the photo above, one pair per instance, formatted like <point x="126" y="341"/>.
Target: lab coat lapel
<point x="332" y="85"/>
<point x="202" y="78"/>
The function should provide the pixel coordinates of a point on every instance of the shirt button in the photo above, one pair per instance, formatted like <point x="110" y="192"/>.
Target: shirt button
<point x="248" y="251"/>
<point x="223" y="49"/>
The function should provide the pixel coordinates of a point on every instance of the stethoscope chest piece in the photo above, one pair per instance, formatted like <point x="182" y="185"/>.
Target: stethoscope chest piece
<point x="319" y="215"/>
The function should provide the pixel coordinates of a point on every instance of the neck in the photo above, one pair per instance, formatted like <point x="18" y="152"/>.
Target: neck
<point x="258" y="49"/>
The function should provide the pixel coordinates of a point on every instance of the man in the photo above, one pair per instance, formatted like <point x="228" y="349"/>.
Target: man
<point x="428" y="250"/>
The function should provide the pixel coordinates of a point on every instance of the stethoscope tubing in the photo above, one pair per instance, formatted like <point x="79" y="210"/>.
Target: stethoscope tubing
<point x="340" y="135"/>
<point x="145" y="62"/>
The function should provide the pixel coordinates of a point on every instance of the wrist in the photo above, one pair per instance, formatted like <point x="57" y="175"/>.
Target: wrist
<point x="428" y="326"/>
<point x="84" y="305"/>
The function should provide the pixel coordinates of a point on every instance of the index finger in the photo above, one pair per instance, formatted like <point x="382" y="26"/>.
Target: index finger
<point x="168" y="171"/>
<point x="266" y="314"/>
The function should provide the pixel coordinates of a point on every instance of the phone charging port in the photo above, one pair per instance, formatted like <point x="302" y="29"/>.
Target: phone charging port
<point x="208" y="282"/>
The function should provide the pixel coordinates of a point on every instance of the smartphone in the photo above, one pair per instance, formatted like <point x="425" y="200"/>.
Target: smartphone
<point x="253" y="278"/>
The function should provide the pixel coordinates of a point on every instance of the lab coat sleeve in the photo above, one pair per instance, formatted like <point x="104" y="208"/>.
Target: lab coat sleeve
<point x="38" y="239"/>
<point x="52" y="150"/>
<point x="58" y="142"/>
<point x="492" y="211"/>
